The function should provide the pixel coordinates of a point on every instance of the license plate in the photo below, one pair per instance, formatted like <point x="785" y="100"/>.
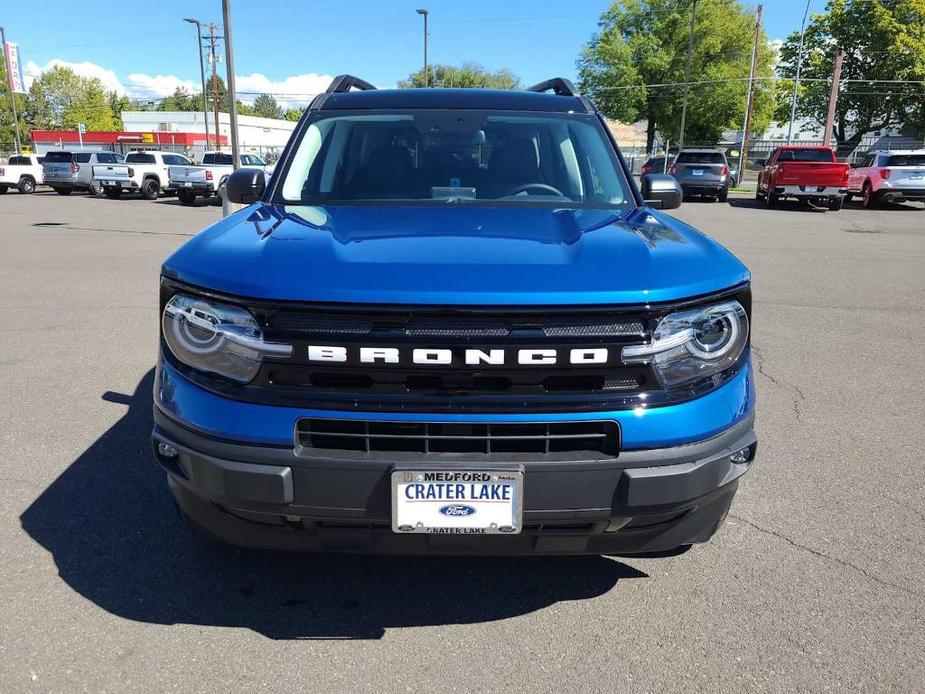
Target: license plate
<point x="697" y="172"/>
<point x="187" y="184"/>
<point x="110" y="183"/>
<point x="454" y="502"/>
<point x="916" y="177"/>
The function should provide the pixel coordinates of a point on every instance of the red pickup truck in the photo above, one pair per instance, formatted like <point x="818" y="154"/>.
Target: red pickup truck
<point x="809" y="174"/>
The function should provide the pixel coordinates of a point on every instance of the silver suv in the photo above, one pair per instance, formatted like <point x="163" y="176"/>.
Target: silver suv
<point x="888" y="176"/>
<point x="69" y="171"/>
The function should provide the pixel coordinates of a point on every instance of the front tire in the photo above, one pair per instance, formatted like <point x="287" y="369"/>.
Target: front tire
<point x="3" y="189"/>
<point x="186" y="197"/>
<point x="835" y="204"/>
<point x="26" y="185"/>
<point x="150" y="189"/>
<point x="112" y="193"/>
<point x="95" y="188"/>
<point x="724" y="196"/>
<point x="770" y="199"/>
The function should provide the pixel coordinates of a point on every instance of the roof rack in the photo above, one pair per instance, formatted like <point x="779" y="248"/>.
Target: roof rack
<point x="344" y="83"/>
<point x="559" y="85"/>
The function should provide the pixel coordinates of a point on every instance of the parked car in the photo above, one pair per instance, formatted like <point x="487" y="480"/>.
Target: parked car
<point x="811" y="175"/>
<point x="451" y="323"/>
<point x="888" y="176"/>
<point x="23" y="172"/>
<point x="66" y="171"/>
<point x="205" y="180"/>
<point x="145" y="172"/>
<point x="703" y="172"/>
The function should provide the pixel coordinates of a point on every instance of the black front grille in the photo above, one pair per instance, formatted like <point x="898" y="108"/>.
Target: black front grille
<point x="490" y="438"/>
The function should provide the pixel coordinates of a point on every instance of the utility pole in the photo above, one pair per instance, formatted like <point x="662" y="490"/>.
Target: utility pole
<point x="750" y="99"/>
<point x="202" y="76"/>
<point x="687" y="74"/>
<point x="833" y="99"/>
<point x="424" y="14"/>
<point x="9" y="84"/>
<point x="796" y="82"/>
<point x="232" y="98"/>
<point x="213" y="59"/>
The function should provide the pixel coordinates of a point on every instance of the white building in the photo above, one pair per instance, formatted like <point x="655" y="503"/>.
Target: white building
<point x="258" y="135"/>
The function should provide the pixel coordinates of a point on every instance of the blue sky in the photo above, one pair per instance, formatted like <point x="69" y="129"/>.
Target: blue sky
<point x="292" y="46"/>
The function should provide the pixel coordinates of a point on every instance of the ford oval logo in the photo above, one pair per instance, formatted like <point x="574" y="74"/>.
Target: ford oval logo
<point x="457" y="510"/>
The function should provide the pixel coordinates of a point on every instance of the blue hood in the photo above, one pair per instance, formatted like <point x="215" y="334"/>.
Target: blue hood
<point x="454" y="255"/>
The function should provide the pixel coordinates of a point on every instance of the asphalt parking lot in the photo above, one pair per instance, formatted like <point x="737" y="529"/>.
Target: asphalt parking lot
<point x="816" y="582"/>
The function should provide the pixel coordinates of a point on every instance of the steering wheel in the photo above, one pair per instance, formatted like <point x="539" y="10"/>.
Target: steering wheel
<point x="541" y="187"/>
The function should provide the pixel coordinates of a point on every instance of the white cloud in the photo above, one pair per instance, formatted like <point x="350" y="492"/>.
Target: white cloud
<point x="775" y="45"/>
<point x="296" y="90"/>
<point x="86" y="69"/>
<point x="148" y="87"/>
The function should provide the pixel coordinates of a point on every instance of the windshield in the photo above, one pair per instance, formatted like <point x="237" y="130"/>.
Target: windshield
<point x="906" y="160"/>
<point x="700" y="158"/>
<point x="454" y="156"/>
<point x="805" y="155"/>
<point x="138" y="158"/>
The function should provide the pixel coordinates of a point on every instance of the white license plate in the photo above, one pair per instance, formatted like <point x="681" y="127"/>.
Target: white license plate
<point x="697" y="172"/>
<point x="916" y="177"/>
<point x="110" y="183"/>
<point x="187" y="184"/>
<point x="457" y="502"/>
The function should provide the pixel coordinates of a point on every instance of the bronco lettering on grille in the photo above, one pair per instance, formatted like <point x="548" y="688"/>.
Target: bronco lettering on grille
<point x="461" y="357"/>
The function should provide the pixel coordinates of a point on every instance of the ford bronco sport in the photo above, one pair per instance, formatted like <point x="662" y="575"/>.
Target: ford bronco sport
<point x="451" y="323"/>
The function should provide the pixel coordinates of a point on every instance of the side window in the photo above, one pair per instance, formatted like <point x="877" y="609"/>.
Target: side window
<point x="18" y="161"/>
<point x="82" y="157"/>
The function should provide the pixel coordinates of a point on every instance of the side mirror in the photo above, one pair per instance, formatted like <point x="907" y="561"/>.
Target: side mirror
<point x="245" y="186"/>
<point x="662" y="191"/>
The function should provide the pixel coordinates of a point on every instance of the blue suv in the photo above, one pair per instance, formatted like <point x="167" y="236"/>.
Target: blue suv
<point x="451" y="323"/>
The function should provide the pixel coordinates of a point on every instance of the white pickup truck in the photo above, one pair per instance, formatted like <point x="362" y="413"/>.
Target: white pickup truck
<point x="23" y="172"/>
<point x="205" y="180"/>
<point x="144" y="172"/>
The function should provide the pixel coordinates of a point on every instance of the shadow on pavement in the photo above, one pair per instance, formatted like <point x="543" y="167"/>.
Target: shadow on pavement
<point x="110" y="524"/>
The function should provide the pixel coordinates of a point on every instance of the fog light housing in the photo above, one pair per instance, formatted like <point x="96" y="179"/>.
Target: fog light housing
<point x="743" y="455"/>
<point x="166" y="450"/>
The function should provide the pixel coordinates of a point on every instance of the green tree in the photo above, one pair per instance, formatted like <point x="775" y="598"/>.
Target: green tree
<point x="881" y="40"/>
<point x="469" y="75"/>
<point x="293" y="114"/>
<point x="644" y="42"/>
<point x="68" y="99"/>
<point x="266" y="106"/>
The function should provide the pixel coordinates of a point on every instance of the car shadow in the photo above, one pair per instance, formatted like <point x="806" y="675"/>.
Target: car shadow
<point x="111" y="526"/>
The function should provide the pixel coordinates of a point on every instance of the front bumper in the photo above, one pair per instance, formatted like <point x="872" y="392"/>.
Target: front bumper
<point x="268" y="497"/>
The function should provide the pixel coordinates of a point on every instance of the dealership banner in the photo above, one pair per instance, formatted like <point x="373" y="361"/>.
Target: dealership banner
<point x="14" y="69"/>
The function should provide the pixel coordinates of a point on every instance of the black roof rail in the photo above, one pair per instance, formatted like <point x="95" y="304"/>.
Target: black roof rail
<point x="559" y="85"/>
<point x="344" y="83"/>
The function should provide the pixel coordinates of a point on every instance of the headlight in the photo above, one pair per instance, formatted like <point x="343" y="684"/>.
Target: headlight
<point x="693" y="344"/>
<point x="217" y="338"/>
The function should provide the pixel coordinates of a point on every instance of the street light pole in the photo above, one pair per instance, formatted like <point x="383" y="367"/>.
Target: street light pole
<point x="202" y="76"/>
<point x="687" y="74"/>
<point x="796" y="82"/>
<point x="423" y="12"/>
<point x="9" y="83"/>
<point x="232" y="97"/>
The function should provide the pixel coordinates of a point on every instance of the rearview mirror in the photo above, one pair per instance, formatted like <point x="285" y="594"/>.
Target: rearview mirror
<point x="662" y="191"/>
<point x="245" y="186"/>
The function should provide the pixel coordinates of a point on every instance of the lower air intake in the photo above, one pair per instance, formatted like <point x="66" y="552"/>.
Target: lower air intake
<point x="600" y="438"/>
